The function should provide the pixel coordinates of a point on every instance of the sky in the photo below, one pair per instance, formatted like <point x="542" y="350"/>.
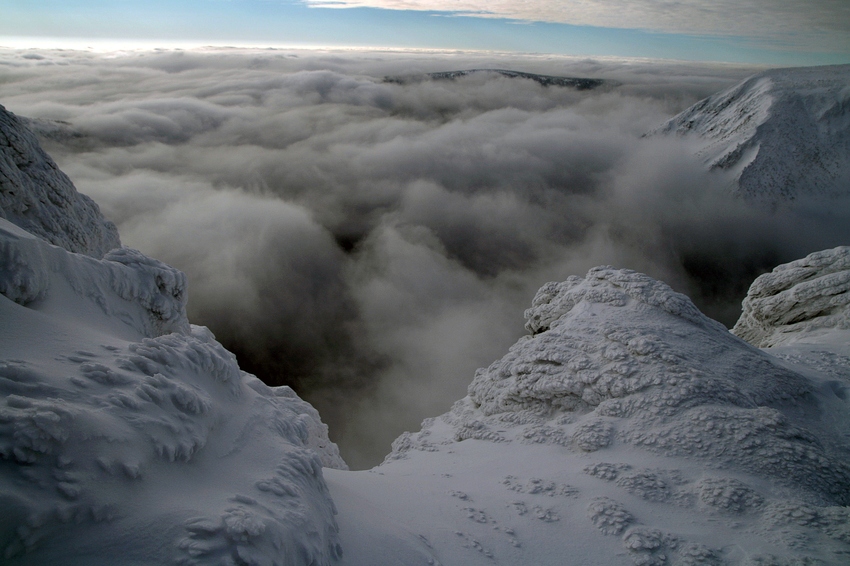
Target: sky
<point x="771" y="32"/>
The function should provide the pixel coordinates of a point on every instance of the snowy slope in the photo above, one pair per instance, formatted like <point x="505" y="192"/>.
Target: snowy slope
<point x="628" y="428"/>
<point x="127" y="435"/>
<point x="784" y="133"/>
<point x="37" y="196"/>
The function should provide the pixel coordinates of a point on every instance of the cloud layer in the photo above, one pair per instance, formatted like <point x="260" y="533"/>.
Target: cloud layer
<point x="373" y="243"/>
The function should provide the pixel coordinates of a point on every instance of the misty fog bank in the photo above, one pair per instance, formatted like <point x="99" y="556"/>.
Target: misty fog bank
<point x="373" y="243"/>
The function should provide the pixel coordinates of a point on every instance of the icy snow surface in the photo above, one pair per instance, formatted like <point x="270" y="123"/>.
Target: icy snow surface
<point x="135" y="435"/>
<point x="38" y="197"/>
<point x="627" y="429"/>
<point x="784" y="133"/>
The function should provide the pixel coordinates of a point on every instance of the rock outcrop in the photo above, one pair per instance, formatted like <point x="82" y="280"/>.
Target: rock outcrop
<point x="41" y="199"/>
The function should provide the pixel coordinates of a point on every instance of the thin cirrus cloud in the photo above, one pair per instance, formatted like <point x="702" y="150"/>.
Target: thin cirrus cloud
<point x="816" y="24"/>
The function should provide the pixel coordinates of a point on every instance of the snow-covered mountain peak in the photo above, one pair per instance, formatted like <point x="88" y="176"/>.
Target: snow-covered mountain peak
<point x="784" y="134"/>
<point x="798" y="300"/>
<point x="41" y="199"/>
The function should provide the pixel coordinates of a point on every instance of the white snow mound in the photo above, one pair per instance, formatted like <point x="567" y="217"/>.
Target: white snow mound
<point x="38" y="197"/>
<point x="797" y="299"/>
<point x="784" y="133"/>
<point x="648" y="431"/>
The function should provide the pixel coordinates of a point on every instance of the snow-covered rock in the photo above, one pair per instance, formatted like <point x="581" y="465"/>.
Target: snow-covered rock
<point x="38" y="197"/>
<point x="798" y="299"/>
<point x="151" y="451"/>
<point x="127" y="435"/>
<point x="125" y="287"/>
<point x="627" y="429"/>
<point x="784" y="133"/>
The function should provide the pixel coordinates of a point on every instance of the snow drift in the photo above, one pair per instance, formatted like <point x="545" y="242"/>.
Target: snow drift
<point x="784" y="133"/>
<point x="126" y="433"/>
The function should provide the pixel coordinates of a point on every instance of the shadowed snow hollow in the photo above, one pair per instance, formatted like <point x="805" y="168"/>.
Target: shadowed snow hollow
<point x="785" y="133"/>
<point x="629" y="428"/>
<point x="798" y="299"/>
<point x="38" y="197"/>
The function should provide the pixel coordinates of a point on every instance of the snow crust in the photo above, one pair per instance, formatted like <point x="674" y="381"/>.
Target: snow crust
<point x="797" y="299"/>
<point x="784" y="133"/>
<point x="38" y="197"/>
<point x="127" y="435"/>
<point x="627" y="429"/>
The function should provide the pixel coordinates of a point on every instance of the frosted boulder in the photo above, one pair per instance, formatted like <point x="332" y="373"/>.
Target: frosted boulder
<point x="615" y="333"/>
<point x="807" y="296"/>
<point x="41" y="199"/>
<point x="638" y="362"/>
<point x="127" y="288"/>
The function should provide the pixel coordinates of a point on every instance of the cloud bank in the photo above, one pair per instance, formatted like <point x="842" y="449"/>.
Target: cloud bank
<point x="816" y="23"/>
<point x="373" y="243"/>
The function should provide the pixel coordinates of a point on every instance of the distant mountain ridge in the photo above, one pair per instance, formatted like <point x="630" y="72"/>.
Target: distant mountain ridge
<point x="577" y="83"/>
<point x="784" y="133"/>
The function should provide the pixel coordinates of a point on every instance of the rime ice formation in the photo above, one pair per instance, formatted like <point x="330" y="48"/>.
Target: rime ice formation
<point x="129" y="436"/>
<point x="810" y="295"/>
<point x="628" y="428"/>
<point x="38" y="197"/>
<point x="784" y="133"/>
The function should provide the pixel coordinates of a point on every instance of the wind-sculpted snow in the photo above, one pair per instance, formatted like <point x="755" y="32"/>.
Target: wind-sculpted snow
<point x="143" y="293"/>
<point x="671" y="434"/>
<point x="785" y="133"/>
<point x="38" y="197"/>
<point x="152" y="449"/>
<point x="615" y="333"/>
<point x="165" y="446"/>
<point x="806" y="296"/>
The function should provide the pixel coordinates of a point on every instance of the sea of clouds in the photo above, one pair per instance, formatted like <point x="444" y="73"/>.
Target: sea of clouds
<point x="372" y="242"/>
